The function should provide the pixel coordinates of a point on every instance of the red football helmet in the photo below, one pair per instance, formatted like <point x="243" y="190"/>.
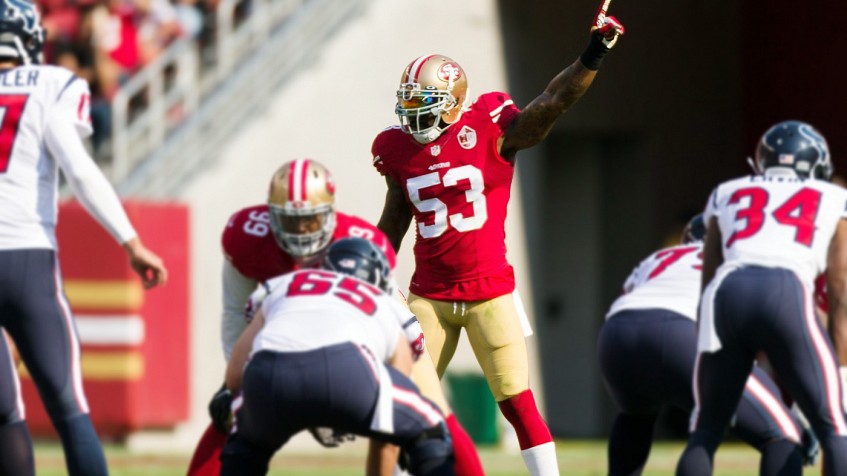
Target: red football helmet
<point x="301" y="202"/>
<point x="433" y="90"/>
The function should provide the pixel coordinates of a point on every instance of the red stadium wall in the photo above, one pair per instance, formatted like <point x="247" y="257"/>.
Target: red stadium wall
<point x="135" y="343"/>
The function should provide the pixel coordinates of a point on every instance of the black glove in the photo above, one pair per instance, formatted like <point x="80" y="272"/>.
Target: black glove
<point x="219" y="409"/>
<point x="330" y="438"/>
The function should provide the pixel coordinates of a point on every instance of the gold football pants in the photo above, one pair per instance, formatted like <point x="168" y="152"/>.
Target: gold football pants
<point x="495" y="334"/>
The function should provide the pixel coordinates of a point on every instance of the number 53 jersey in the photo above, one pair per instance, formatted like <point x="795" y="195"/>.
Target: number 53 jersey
<point x="457" y="187"/>
<point x="777" y="221"/>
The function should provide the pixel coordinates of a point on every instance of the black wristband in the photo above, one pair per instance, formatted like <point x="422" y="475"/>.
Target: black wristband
<point x="594" y="53"/>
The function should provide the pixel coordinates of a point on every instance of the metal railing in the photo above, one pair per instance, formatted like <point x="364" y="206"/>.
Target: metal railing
<point x="190" y="105"/>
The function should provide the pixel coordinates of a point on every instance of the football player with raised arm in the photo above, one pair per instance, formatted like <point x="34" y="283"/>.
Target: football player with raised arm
<point x="290" y="232"/>
<point x="44" y="119"/>
<point x="449" y="165"/>
<point x="768" y="237"/>
<point x="326" y="348"/>
<point x="646" y="350"/>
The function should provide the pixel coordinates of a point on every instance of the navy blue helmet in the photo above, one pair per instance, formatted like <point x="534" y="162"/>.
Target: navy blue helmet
<point x="797" y="146"/>
<point x="695" y="230"/>
<point x="361" y="259"/>
<point x="21" y="33"/>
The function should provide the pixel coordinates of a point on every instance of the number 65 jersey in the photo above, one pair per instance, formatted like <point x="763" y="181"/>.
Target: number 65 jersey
<point x="458" y="187"/>
<point x="777" y="221"/>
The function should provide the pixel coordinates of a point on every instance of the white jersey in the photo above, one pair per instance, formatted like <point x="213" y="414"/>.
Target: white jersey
<point x="39" y="106"/>
<point x="310" y="309"/>
<point x="667" y="279"/>
<point x="777" y="221"/>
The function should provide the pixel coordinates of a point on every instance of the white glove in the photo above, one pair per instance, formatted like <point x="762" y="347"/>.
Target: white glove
<point x="254" y="302"/>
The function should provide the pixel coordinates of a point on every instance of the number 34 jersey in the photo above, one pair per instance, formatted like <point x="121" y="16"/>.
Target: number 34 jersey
<point x="777" y="221"/>
<point x="457" y="187"/>
<point x="248" y="242"/>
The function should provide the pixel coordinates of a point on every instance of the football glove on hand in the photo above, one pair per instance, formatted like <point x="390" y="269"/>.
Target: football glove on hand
<point x="220" y="409"/>
<point x="330" y="438"/>
<point x="608" y="29"/>
<point x="604" y="35"/>
<point x="254" y="302"/>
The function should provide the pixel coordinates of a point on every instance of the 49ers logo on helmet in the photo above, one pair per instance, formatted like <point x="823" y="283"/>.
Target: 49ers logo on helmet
<point x="449" y="71"/>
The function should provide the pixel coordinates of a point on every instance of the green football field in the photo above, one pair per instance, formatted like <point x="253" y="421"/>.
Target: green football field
<point x="576" y="458"/>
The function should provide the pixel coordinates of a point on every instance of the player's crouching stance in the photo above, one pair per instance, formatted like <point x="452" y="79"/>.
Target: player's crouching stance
<point x="325" y="349"/>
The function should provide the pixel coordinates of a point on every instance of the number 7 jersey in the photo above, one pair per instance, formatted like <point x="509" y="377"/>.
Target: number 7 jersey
<point x="458" y="188"/>
<point x="31" y="99"/>
<point x="777" y="221"/>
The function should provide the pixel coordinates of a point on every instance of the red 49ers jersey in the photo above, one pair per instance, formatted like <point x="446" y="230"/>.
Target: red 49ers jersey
<point x="457" y="187"/>
<point x="249" y="245"/>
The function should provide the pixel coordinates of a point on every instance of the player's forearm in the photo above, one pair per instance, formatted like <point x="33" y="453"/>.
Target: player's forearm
<point x="86" y="180"/>
<point x="568" y="86"/>
<point x="236" y="291"/>
<point x="241" y="353"/>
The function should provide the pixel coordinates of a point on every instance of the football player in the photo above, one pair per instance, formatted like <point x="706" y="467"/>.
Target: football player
<point x="45" y="116"/>
<point x="768" y="236"/>
<point x="290" y="232"/>
<point x="449" y="165"/>
<point x="646" y="350"/>
<point x="318" y="348"/>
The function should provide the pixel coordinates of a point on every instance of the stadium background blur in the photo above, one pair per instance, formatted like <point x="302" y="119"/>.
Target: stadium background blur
<point x="198" y="101"/>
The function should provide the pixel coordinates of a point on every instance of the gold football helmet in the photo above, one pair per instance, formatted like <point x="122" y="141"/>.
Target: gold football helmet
<point x="433" y="91"/>
<point x="301" y="202"/>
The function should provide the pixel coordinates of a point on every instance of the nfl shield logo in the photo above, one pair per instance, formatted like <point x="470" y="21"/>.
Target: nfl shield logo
<point x="435" y="150"/>
<point x="467" y="138"/>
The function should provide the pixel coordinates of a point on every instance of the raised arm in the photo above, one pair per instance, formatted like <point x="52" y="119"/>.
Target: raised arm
<point x="396" y="214"/>
<point x="536" y="120"/>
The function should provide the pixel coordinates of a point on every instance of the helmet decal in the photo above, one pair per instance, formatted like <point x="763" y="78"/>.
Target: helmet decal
<point x="449" y="72"/>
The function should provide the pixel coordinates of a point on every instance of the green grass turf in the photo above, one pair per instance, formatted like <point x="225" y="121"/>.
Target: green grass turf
<point x="576" y="458"/>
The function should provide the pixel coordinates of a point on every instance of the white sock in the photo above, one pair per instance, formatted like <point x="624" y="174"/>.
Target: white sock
<point x="541" y="460"/>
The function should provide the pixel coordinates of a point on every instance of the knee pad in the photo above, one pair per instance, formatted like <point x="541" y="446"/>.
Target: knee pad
<point x="431" y="453"/>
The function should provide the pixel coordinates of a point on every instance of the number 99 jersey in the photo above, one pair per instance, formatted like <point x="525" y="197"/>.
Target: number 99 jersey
<point x="457" y="187"/>
<point x="777" y="221"/>
<point x="248" y="242"/>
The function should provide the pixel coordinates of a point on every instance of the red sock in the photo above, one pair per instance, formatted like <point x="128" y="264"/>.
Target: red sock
<point x="207" y="456"/>
<point x="464" y="451"/>
<point x="522" y="413"/>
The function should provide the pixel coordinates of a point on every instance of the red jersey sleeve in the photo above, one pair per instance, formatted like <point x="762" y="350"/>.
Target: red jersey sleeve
<point x="500" y="107"/>
<point x="378" y="148"/>
<point x="353" y="226"/>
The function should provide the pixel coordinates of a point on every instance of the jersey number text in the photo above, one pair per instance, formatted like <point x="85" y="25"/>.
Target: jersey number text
<point x="317" y="283"/>
<point x="799" y="211"/>
<point x="11" y="109"/>
<point x="458" y="221"/>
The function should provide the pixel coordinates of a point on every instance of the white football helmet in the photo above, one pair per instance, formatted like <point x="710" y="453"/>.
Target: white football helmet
<point x="301" y="202"/>
<point x="433" y="90"/>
